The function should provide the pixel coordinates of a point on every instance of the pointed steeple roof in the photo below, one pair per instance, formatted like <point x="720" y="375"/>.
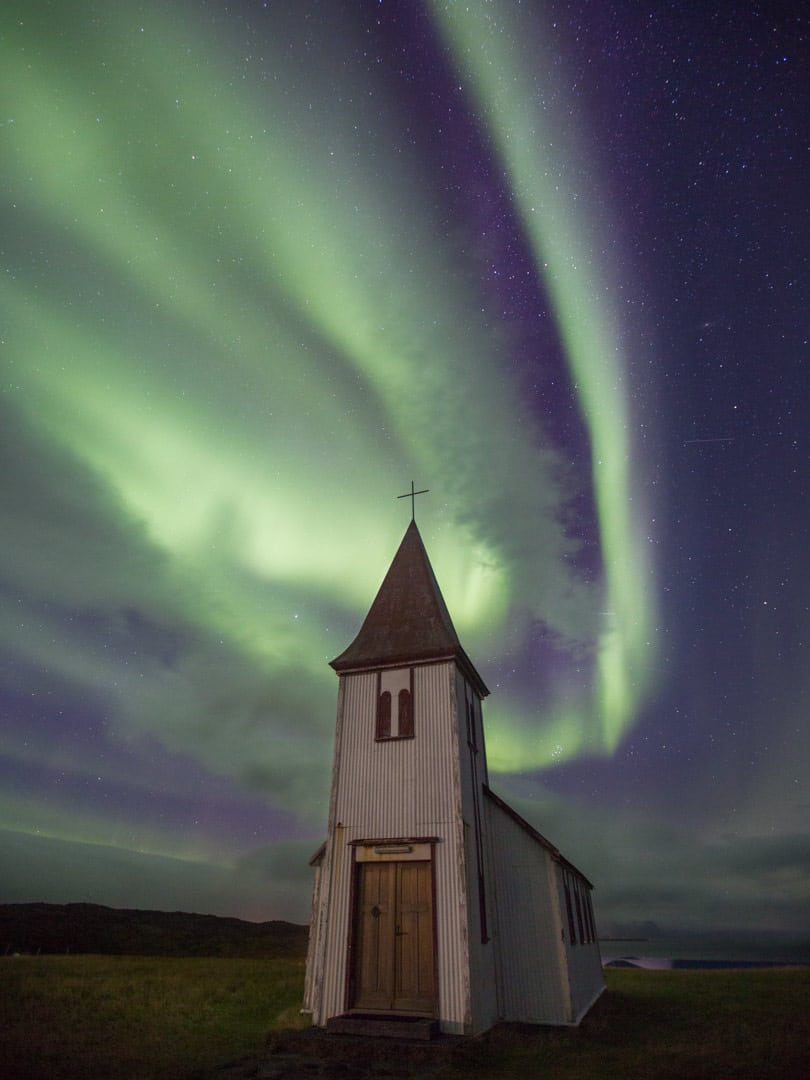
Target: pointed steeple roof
<point x="408" y="621"/>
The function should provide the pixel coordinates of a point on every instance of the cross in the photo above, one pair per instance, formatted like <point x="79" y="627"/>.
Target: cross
<point x="412" y="496"/>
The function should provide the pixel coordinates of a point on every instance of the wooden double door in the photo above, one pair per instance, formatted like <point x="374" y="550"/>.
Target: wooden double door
<point x="393" y="938"/>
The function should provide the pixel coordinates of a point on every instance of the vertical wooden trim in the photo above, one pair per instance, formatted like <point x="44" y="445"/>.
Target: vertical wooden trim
<point x="351" y="937"/>
<point x="329" y="885"/>
<point x="436" y="999"/>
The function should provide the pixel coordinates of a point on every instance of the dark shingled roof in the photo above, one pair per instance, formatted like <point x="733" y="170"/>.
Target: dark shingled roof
<point x="408" y="621"/>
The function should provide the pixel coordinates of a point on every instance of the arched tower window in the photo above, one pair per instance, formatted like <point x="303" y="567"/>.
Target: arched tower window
<point x="384" y="715"/>
<point x="405" y="715"/>
<point x="394" y="718"/>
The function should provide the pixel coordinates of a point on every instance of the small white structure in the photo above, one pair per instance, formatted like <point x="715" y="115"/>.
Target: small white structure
<point x="432" y="897"/>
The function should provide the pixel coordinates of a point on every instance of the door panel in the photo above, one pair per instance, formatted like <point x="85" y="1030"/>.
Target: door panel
<point x="413" y="985"/>
<point x="394" y="938"/>
<point x="375" y="938"/>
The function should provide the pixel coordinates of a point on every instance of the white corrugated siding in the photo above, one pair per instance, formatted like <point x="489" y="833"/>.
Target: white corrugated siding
<point x="391" y="789"/>
<point x="542" y="977"/>
<point x="532" y="986"/>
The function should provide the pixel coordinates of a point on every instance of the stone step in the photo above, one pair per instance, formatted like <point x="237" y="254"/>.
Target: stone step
<point x="384" y="1026"/>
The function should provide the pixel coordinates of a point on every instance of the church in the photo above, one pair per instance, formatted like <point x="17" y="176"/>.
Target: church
<point x="434" y="902"/>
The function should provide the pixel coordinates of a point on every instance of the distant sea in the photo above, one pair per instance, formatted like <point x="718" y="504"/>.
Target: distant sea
<point x="699" y="951"/>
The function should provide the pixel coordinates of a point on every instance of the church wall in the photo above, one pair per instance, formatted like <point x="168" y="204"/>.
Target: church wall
<point x="483" y="993"/>
<point x="533" y="984"/>
<point x="399" y="788"/>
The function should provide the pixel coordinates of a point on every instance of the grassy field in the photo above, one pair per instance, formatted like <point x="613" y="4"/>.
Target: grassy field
<point x="671" y="1025"/>
<point x="105" y="1018"/>
<point x="140" y="1018"/>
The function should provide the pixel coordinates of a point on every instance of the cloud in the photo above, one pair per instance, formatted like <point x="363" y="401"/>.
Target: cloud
<point x="268" y="727"/>
<point x="270" y="884"/>
<point x="68" y="540"/>
<point x="280" y="871"/>
<point x="661" y="871"/>
<point x="240" y="316"/>
<point x="106" y="615"/>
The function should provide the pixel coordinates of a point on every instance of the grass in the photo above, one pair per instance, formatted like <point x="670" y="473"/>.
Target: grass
<point x="143" y="1018"/>
<point x="72" y="1017"/>
<point x="663" y="1025"/>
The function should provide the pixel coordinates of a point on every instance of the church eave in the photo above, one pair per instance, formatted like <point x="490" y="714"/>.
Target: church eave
<point x="394" y="660"/>
<point x="317" y="858"/>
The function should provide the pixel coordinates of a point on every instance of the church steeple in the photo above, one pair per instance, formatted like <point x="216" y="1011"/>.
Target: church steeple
<point x="408" y="622"/>
<point x="434" y="902"/>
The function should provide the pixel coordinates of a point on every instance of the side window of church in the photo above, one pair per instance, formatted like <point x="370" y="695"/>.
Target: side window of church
<point x="589" y="912"/>
<point x="569" y="911"/>
<point x="578" y="903"/>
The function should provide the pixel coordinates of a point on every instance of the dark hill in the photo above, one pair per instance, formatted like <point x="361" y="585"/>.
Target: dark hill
<point x="91" y="928"/>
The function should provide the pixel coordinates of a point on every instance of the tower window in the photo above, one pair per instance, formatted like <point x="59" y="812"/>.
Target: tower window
<point x="384" y="715"/>
<point x="405" y="715"/>
<point x="394" y="718"/>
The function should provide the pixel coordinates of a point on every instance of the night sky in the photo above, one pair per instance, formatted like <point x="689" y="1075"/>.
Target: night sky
<point x="266" y="263"/>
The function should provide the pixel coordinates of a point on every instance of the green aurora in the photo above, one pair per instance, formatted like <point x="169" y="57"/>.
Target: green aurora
<point x="245" y="338"/>
<point x="267" y="262"/>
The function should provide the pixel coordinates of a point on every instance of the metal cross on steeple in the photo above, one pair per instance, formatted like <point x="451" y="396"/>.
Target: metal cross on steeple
<point x="412" y="496"/>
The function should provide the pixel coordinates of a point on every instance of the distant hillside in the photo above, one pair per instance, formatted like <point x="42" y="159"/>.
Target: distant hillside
<point x="91" y="928"/>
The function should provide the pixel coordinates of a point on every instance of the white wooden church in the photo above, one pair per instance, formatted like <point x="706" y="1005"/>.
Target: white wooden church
<point x="434" y="899"/>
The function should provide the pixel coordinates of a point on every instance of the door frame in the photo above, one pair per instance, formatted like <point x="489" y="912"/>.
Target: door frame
<point x="388" y="849"/>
